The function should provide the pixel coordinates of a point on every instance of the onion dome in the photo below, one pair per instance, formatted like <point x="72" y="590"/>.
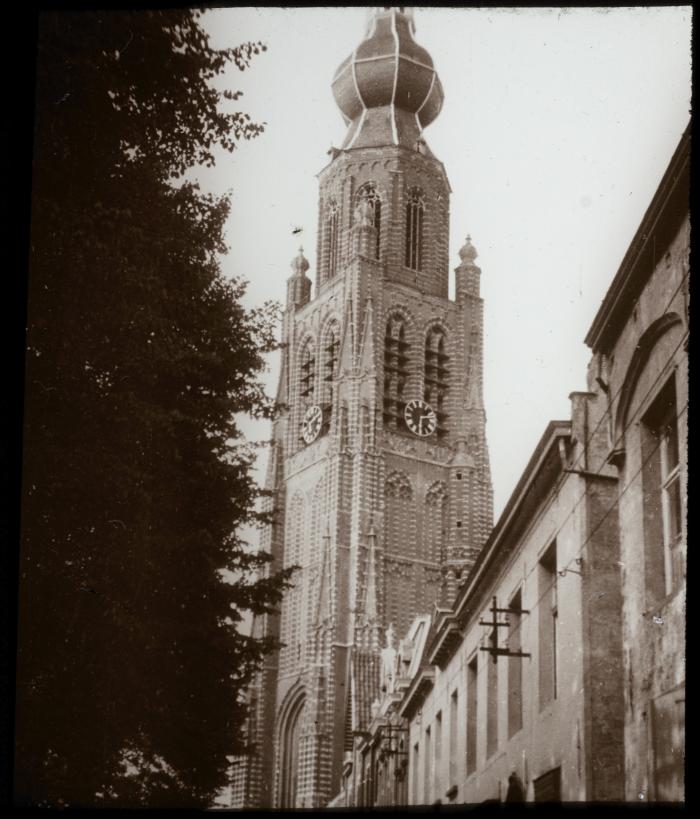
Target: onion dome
<point x="468" y="252"/>
<point x="388" y="89"/>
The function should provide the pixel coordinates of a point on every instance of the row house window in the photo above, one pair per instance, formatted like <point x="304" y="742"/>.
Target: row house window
<point x="472" y="674"/>
<point x="491" y="702"/>
<point x="515" y="667"/>
<point x="547" y="625"/>
<point x="454" y="703"/>
<point x="428" y="778"/>
<point x="416" y="774"/>
<point x="438" y="755"/>
<point x="662" y="490"/>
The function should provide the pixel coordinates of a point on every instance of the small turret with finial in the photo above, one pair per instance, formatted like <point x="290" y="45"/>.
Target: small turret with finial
<point x="467" y="273"/>
<point x="298" y="284"/>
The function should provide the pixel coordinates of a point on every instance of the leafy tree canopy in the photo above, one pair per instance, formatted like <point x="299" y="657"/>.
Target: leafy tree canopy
<point x="135" y="477"/>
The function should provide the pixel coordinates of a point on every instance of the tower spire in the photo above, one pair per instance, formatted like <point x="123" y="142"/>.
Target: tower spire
<point x="382" y="483"/>
<point x="373" y="12"/>
<point x="388" y="89"/>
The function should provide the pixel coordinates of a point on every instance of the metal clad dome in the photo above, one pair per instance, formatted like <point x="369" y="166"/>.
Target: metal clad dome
<point x="387" y="70"/>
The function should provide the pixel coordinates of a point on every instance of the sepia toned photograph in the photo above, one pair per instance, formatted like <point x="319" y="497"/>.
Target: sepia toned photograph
<point x="355" y="428"/>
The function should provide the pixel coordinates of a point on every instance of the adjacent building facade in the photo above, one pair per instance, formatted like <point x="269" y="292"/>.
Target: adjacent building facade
<point x="558" y="674"/>
<point x="639" y="341"/>
<point x="522" y="689"/>
<point x="379" y="473"/>
<point x="376" y="772"/>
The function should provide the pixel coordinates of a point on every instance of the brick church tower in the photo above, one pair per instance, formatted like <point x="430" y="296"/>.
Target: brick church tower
<point x="379" y="466"/>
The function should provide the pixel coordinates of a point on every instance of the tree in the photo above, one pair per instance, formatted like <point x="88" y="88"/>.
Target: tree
<point x="136" y="480"/>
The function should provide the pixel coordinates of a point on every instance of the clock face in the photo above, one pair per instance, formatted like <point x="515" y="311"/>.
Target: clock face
<point x="311" y="425"/>
<point x="420" y="418"/>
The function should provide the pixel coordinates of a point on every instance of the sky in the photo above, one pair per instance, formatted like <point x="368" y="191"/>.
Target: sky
<point x="557" y="127"/>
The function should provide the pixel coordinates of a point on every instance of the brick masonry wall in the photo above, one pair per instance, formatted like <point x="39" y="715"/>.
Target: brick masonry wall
<point x="360" y="477"/>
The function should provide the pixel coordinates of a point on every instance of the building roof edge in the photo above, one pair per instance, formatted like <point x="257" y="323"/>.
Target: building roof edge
<point x="622" y="283"/>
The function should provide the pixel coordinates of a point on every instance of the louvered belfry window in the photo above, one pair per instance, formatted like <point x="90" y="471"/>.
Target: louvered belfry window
<point x="414" y="229"/>
<point x="395" y="372"/>
<point x="436" y="376"/>
<point x="330" y="350"/>
<point x="371" y="195"/>
<point x="307" y="374"/>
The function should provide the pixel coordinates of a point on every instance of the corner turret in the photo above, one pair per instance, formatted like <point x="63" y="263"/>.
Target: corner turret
<point x="298" y="284"/>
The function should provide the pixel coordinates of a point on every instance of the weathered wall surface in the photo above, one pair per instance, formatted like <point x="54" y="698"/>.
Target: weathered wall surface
<point x="648" y="354"/>
<point x="578" y="729"/>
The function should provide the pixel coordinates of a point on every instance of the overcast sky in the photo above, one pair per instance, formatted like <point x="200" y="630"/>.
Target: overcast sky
<point x="556" y="129"/>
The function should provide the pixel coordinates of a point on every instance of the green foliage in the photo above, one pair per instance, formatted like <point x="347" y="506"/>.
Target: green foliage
<point x="135" y="478"/>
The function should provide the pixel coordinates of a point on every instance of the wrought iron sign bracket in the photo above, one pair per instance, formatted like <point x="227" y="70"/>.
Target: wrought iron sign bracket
<point x="493" y="649"/>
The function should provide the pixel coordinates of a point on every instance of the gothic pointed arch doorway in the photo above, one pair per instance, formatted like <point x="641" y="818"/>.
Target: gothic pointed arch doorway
<point x="289" y="751"/>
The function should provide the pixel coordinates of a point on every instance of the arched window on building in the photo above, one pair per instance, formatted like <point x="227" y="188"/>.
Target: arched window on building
<point x="369" y="193"/>
<point x="396" y="361"/>
<point x="290" y="741"/>
<point x="332" y="218"/>
<point x="307" y="373"/>
<point x="436" y="376"/>
<point x="330" y="347"/>
<point x="414" y="229"/>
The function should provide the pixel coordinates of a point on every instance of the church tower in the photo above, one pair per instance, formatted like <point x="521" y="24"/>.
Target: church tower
<point x="379" y="469"/>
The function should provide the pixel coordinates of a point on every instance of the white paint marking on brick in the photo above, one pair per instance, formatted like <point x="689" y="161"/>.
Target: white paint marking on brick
<point x="394" y="132"/>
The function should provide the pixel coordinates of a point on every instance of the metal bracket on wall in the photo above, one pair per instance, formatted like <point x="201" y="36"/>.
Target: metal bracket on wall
<point x="493" y="649"/>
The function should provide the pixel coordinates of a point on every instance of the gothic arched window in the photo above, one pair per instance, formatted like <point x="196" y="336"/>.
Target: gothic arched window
<point x="414" y="229"/>
<point x="332" y="239"/>
<point x="395" y="371"/>
<point x="369" y="193"/>
<point x="290" y="741"/>
<point x="330" y="347"/>
<point x="307" y="373"/>
<point x="436" y="375"/>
